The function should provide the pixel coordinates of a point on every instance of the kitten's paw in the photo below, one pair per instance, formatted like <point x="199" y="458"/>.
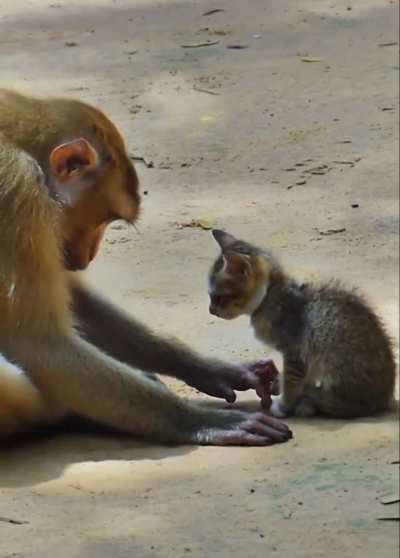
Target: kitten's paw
<point x="277" y="409"/>
<point x="304" y="409"/>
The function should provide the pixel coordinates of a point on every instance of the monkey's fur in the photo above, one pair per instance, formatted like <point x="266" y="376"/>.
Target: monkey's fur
<point x="64" y="176"/>
<point x="338" y="358"/>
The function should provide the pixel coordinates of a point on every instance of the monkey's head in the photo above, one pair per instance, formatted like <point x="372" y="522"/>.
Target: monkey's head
<point x="239" y="278"/>
<point x="90" y="174"/>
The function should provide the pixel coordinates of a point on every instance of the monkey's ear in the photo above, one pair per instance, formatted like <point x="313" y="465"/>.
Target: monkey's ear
<point x="223" y="238"/>
<point x="73" y="159"/>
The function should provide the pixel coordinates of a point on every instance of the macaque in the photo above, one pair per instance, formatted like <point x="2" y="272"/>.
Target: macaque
<point x="64" y="176"/>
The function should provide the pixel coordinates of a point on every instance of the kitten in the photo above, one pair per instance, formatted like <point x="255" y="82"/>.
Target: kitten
<point x="338" y="359"/>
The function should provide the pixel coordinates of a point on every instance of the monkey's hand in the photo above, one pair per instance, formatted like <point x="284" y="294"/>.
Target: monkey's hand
<point x="224" y="379"/>
<point x="268" y="374"/>
<point x="237" y="428"/>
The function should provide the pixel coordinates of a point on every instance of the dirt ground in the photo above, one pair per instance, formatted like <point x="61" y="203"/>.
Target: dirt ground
<point x="290" y="142"/>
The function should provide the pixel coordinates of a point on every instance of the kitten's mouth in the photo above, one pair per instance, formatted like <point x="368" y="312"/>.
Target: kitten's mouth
<point x="222" y="315"/>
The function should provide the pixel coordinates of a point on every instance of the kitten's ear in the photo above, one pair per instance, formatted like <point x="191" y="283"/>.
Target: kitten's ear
<point x="237" y="264"/>
<point x="223" y="238"/>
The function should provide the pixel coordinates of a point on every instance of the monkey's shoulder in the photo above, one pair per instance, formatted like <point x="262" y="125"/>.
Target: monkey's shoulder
<point x="21" y="176"/>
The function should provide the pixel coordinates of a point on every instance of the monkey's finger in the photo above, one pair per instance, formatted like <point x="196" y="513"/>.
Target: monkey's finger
<point x="262" y="363"/>
<point x="258" y="427"/>
<point x="273" y="423"/>
<point x="275" y="387"/>
<point x="266" y="403"/>
<point x="229" y="395"/>
<point x="263" y="389"/>
<point x="241" y="438"/>
<point x="267" y="364"/>
<point x="267" y="371"/>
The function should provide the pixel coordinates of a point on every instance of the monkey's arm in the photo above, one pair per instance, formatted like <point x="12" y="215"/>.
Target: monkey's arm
<point x="129" y="341"/>
<point x="72" y="374"/>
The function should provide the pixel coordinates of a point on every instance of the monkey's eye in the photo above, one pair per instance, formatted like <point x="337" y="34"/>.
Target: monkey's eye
<point x="113" y="216"/>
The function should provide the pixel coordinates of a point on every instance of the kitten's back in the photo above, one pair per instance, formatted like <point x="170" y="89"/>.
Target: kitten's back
<point x="350" y="353"/>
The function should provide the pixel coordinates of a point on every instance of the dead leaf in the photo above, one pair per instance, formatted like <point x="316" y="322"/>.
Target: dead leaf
<point x="310" y="60"/>
<point x="329" y="232"/>
<point x="148" y="164"/>
<point x="199" y="45"/>
<point x="205" y="91"/>
<point x="320" y="169"/>
<point x="390" y="500"/>
<point x="13" y="521"/>
<point x="205" y="224"/>
<point x="236" y="47"/>
<point x="215" y="11"/>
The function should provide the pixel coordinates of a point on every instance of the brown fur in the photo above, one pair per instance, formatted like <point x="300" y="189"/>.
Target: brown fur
<point x="338" y="358"/>
<point x="64" y="176"/>
<point x="38" y="126"/>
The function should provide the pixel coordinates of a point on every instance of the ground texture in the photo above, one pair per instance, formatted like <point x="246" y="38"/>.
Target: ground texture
<point x="290" y="142"/>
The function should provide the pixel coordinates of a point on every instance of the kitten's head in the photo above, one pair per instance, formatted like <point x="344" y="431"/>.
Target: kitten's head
<point x="239" y="278"/>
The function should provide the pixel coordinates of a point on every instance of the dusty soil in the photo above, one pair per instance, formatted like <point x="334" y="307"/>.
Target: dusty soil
<point x="281" y="141"/>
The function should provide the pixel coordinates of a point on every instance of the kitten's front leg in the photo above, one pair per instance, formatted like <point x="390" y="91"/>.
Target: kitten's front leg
<point x="277" y="408"/>
<point x="294" y="373"/>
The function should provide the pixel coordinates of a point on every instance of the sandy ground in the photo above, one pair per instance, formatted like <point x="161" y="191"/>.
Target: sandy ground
<point x="276" y="142"/>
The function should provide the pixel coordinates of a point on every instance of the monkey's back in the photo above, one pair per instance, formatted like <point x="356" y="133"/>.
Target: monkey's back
<point x="349" y="355"/>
